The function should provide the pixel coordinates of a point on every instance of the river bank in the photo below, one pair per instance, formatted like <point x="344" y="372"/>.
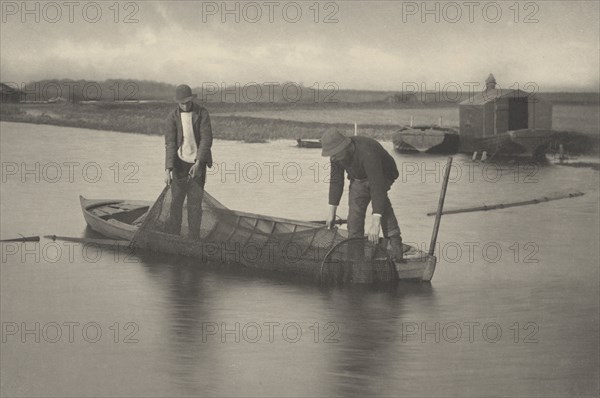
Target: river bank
<point x="147" y="118"/>
<point x="261" y="122"/>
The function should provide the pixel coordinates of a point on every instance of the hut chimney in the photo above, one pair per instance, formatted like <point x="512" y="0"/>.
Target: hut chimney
<point x="490" y="82"/>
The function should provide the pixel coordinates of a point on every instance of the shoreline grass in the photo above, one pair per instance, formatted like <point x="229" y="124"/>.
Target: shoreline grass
<point x="148" y="119"/>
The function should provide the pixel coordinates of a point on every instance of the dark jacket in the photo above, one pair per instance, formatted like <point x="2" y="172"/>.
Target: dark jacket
<point x="174" y="135"/>
<point x="369" y="161"/>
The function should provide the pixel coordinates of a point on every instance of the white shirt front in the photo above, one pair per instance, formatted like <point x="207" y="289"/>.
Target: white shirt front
<point x="187" y="150"/>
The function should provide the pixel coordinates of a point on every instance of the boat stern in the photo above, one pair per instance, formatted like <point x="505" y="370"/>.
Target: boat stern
<point x="535" y="142"/>
<point x="417" y="268"/>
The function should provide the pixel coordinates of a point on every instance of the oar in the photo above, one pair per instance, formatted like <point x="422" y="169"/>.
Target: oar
<point x="22" y="239"/>
<point x="99" y="242"/>
<point x="438" y="216"/>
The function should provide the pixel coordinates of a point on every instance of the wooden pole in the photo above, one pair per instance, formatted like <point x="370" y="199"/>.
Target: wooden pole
<point x="511" y="204"/>
<point x="438" y="217"/>
<point x="92" y="241"/>
<point x="22" y="239"/>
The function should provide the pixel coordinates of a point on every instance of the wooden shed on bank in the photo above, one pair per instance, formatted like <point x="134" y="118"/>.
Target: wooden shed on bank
<point x="495" y="112"/>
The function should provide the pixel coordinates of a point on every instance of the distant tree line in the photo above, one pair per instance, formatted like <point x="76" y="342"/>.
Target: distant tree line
<point x="120" y="90"/>
<point x="74" y="91"/>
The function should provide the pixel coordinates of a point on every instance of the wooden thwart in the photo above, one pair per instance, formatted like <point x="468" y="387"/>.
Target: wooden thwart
<point x="512" y="204"/>
<point x="323" y="222"/>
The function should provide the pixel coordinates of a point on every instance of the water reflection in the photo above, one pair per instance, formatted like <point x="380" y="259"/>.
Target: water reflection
<point x="368" y="322"/>
<point x="373" y="322"/>
<point x="186" y="297"/>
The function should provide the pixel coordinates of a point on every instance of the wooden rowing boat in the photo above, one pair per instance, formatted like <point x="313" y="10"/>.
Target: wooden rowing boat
<point x="120" y="219"/>
<point x="309" y="143"/>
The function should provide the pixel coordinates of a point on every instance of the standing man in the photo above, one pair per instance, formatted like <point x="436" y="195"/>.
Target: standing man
<point x="371" y="171"/>
<point x="188" y="139"/>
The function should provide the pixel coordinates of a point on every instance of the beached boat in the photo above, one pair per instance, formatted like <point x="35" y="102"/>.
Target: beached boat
<point x="522" y="143"/>
<point x="429" y="139"/>
<point x="121" y="219"/>
<point x="308" y="143"/>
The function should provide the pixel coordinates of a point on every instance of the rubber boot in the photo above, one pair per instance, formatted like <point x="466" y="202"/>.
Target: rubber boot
<point x="396" y="248"/>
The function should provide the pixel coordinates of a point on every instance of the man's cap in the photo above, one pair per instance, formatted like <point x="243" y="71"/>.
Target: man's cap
<point x="334" y="142"/>
<point x="183" y="93"/>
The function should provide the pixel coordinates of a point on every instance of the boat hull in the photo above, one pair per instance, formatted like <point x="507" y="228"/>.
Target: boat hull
<point x="120" y="219"/>
<point x="428" y="140"/>
<point x="523" y="143"/>
<point x="112" y="229"/>
<point x="309" y="143"/>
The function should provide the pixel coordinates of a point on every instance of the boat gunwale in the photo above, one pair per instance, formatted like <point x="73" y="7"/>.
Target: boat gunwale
<point x="88" y="204"/>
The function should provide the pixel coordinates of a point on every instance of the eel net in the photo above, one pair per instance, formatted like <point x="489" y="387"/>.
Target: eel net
<point x="263" y="242"/>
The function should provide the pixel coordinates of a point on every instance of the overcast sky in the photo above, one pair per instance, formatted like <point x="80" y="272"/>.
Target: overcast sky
<point x="377" y="45"/>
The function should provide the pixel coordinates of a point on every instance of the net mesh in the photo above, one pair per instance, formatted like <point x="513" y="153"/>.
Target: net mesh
<point x="356" y="260"/>
<point x="263" y="242"/>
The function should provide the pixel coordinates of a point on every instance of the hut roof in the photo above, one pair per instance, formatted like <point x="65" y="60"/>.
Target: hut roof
<point x="486" y="96"/>
<point x="6" y="88"/>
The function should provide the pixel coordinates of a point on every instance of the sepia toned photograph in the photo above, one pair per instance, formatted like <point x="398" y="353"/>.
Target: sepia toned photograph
<point x="304" y="198"/>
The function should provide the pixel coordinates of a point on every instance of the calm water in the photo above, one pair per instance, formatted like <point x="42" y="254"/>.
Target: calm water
<point x="582" y="118"/>
<point x="512" y="309"/>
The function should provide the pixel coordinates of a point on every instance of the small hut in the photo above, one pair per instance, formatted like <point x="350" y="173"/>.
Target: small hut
<point x="495" y="119"/>
<point x="495" y="111"/>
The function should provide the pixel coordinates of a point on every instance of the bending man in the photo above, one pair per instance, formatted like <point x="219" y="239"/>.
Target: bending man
<point x="188" y="139"/>
<point x="371" y="171"/>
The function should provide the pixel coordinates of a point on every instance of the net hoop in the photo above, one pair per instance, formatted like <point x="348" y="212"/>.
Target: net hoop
<point x="392" y="270"/>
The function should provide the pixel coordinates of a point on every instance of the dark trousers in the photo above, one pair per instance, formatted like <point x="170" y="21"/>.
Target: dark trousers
<point x="359" y="198"/>
<point x="193" y="188"/>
